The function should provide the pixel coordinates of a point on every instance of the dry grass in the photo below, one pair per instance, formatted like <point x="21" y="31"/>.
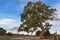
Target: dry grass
<point x="5" y="37"/>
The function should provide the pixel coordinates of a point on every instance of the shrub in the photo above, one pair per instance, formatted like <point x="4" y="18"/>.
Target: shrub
<point x="38" y="33"/>
<point x="2" y="31"/>
<point x="9" y="34"/>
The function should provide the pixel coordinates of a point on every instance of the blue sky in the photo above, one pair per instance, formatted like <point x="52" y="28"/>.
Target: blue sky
<point x="10" y="11"/>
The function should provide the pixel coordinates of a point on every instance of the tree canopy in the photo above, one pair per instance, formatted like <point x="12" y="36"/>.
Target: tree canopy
<point x="2" y="31"/>
<point x="35" y="14"/>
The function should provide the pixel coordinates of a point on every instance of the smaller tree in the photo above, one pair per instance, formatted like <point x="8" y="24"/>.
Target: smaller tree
<point x="2" y="31"/>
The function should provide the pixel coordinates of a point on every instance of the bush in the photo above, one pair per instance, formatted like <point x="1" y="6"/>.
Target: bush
<point x="9" y="34"/>
<point x="2" y="31"/>
<point x="38" y="33"/>
<point x="47" y="34"/>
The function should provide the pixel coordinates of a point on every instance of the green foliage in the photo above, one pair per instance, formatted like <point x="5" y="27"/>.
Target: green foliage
<point x="47" y="25"/>
<point x="9" y="34"/>
<point x="2" y="31"/>
<point x="47" y="34"/>
<point x="35" y="14"/>
<point x="38" y="33"/>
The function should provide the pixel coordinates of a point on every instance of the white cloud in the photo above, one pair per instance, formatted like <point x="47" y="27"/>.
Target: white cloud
<point x="54" y="22"/>
<point x="9" y="23"/>
<point x="57" y="6"/>
<point x="55" y="31"/>
<point x="6" y="21"/>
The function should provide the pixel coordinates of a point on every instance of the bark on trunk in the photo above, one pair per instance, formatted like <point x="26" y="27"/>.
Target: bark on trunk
<point x="31" y="34"/>
<point x="42" y="32"/>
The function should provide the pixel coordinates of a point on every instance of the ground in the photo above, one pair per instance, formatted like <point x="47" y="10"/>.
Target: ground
<point x="5" y="37"/>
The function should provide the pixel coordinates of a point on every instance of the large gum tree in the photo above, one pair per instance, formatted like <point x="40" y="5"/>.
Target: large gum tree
<point x="35" y="14"/>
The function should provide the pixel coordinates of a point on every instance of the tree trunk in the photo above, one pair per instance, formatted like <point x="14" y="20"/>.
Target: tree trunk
<point x="42" y="32"/>
<point x="31" y="33"/>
